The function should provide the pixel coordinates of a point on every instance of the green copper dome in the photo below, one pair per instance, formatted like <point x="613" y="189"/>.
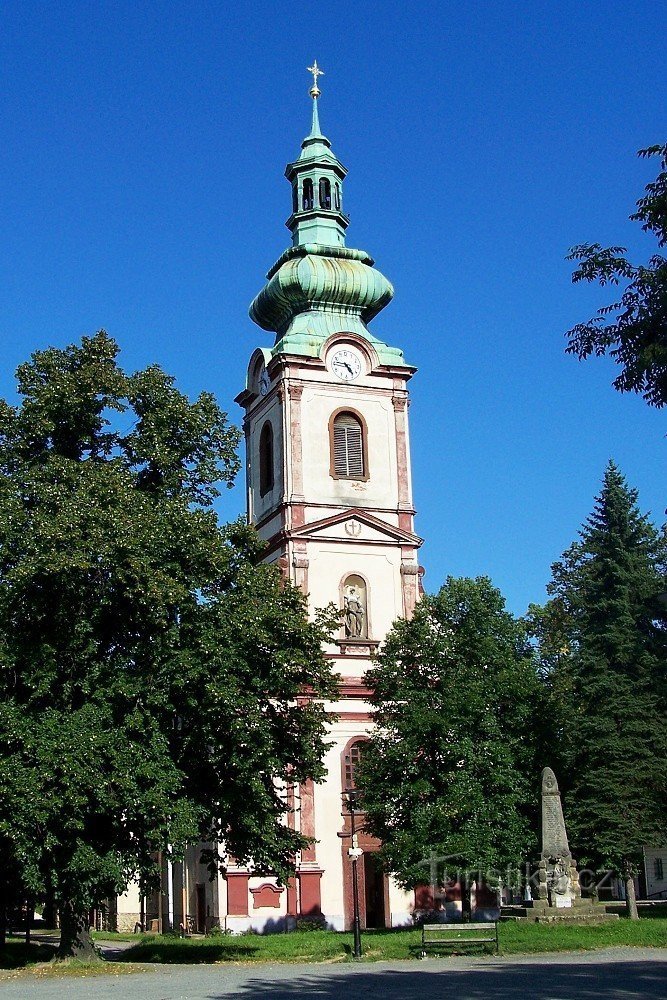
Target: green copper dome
<point x="318" y="286"/>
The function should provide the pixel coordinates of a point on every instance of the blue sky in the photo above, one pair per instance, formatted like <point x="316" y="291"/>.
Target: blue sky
<point x="142" y="152"/>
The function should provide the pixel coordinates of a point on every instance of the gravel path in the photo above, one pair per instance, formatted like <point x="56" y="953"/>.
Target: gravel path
<point x="615" y="974"/>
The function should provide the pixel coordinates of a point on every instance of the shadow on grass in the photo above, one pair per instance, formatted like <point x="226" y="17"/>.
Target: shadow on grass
<point x="182" y="953"/>
<point x="16" y="956"/>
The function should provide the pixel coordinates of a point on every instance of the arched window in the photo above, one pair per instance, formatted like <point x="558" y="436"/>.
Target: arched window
<point x="295" y="198"/>
<point x="348" y="459"/>
<point x="351" y="760"/>
<point x="337" y="196"/>
<point x="325" y="193"/>
<point x="307" y="198"/>
<point x="266" y="459"/>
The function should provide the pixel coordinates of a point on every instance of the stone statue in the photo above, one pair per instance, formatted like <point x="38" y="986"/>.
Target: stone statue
<point x="354" y="615"/>
<point x="560" y="879"/>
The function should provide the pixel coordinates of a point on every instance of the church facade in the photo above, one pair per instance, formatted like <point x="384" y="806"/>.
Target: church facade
<point x="329" y="490"/>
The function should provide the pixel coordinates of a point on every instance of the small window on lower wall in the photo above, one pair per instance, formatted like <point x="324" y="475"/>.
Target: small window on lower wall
<point x="658" y="870"/>
<point x="266" y="459"/>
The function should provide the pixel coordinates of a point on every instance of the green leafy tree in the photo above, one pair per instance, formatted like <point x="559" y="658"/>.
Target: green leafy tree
<point x="605" y="636"/>
<point x="149" y="667"/>
<point x="632" y="331"/>
<point x="450" y="770"/>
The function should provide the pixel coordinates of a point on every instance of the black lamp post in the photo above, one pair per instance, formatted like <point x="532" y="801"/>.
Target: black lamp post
<point x="354" y="852"/>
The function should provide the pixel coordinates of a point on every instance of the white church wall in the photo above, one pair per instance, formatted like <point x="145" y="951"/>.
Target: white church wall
<point x="317" y="407"/>
<point x="330" y="564"/>
<point x="128" y="909"/>
<point x="269" y="412"/>
<point x="267" y="905"/>
<point x="320" y="511"/>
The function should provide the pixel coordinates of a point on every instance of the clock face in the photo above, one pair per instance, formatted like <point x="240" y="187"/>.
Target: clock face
<point x="346" y="364"/>
<point x="264" y="382"/>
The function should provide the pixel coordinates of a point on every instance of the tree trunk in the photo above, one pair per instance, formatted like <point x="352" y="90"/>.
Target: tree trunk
<point x="630" y="898"/>
<point x="75" y="939"/>
<point x="3" y="926"/>
<point x="49" y="913"/>
<point x="466" y="900"/>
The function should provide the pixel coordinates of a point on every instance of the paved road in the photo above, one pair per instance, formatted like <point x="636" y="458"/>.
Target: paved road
<point x="613" y="974"/>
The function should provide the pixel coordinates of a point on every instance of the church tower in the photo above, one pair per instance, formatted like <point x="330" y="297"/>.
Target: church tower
<point x="329" y="490"/>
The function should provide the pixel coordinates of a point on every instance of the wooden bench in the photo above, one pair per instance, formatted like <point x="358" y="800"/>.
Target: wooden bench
<point x="457" y="935"/>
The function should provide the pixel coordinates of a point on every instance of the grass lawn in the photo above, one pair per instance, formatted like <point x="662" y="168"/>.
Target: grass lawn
<point x="16" y="955"/>
<point x="516" y="938"/>
<point x="17" y="960"/>
<point x="326" y="946"/>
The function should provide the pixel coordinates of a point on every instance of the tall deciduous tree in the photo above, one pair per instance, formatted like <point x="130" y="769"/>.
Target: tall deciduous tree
<point x="451" y="767"/>
<point x="149" y="668"/>
<point x="606" y="621"/>
<point x="632" y="331"/>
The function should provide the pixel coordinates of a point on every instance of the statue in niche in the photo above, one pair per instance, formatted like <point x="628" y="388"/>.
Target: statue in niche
<point x="354" y="600"/>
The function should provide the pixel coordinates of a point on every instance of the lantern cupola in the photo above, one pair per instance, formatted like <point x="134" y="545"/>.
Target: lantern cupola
<point x="317" y="186"/>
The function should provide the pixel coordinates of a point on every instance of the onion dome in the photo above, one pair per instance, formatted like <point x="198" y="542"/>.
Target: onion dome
<point x="319" y="286"/>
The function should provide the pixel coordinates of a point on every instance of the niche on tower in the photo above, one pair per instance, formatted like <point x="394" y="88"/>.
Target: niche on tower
<point x="355" y="607"/>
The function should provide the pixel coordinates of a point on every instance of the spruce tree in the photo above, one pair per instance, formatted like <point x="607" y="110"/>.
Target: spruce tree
<point x="610" y="678"/>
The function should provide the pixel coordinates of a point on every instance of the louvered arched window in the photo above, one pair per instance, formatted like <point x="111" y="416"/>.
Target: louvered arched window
<point x="266" y="460"/>
<point x="348" y="459"/>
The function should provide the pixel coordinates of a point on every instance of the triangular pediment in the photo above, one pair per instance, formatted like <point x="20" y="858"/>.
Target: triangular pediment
<point x="355" y="525"/>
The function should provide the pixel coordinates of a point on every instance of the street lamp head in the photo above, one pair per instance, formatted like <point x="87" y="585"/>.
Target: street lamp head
<point x="352" y="795"/>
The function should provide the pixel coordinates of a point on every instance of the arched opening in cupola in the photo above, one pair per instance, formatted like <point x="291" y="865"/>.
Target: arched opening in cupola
<point x="307" y="195"/>
<point x="337" y="196"/>
<point x="325" y="193"/>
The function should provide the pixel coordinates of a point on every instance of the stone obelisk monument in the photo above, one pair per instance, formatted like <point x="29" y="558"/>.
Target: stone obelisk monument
<point x="558" y="877"/>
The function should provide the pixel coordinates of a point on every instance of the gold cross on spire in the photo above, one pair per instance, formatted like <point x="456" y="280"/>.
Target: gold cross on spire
<point x="316" y="71"/>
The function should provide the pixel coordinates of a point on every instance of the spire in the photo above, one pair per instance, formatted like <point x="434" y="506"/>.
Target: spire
<point x="315" y="131"/>
<point x="317" y="178"/>
<point x="315" y="143"/>
<point x="315" y="93"/>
